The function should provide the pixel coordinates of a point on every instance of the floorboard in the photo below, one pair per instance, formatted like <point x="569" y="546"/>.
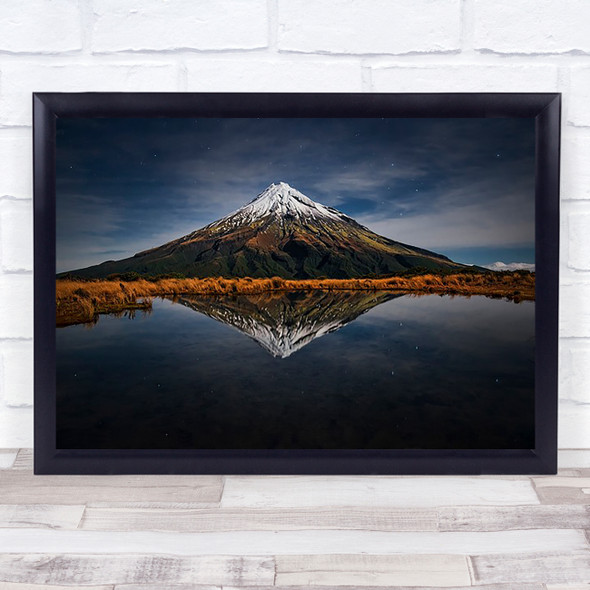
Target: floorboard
<point x="567" y="495"/>
<point x="40" y="516"/>
<point x="291" y="542"/>
<point x="7" y="458"/>
<point x="407" y="492"/>
<point x="100" y="569"/>
<point x="290" y="533"/>
<point x="502" y="518"/>
<point x="547" y="568"/>
<point x="20" y="486"/>
<point x="106" y="518"/>
<point x="24" y="459"/>
<point x="19" y="586"/>
<point x="376" y="570"/>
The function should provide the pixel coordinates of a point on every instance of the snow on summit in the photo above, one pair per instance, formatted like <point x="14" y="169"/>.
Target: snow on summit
<point x="283" y="200"/>
<point x="280" y="233"/>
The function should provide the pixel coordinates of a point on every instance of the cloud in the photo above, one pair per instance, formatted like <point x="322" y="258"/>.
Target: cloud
<point x="500" y="266"/>
<point x="499" y="220"/>
<point x="127" y="185"/>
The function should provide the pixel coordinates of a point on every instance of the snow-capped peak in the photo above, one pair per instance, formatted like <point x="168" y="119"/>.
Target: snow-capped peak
<point x="283" y="200"/>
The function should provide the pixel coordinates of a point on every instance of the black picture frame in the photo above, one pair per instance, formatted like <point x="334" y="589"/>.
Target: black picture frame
<point x="545" y="108"/>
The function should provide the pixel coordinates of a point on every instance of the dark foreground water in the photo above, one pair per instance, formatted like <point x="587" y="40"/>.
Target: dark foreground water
<point x="301" y="371"/>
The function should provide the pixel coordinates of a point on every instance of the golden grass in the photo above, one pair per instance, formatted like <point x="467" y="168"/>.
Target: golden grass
<point x="82" y="301"/>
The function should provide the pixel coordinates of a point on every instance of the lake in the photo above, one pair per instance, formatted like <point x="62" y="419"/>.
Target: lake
<point x="315" y="370"/>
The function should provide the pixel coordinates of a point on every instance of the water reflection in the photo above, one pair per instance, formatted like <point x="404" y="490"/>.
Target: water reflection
<point x="409" y="373"/>
<point x="284" y="322"/>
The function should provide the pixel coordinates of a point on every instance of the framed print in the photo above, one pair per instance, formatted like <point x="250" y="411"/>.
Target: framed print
<point x="296" y="283"/>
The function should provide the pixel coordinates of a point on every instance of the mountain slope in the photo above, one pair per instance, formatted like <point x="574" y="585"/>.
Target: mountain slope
<point x="280" y="233"/>
<point x="284" y="322"/>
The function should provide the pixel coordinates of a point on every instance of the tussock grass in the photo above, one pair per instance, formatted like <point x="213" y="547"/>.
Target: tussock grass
<point x="80" y="301"/>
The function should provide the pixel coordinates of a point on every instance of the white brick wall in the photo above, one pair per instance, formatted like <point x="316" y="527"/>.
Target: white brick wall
<point x="16" y="239"/>
<point x="16" y="163"/>
<point x="530" y="27"/>
<point x="448" y="77"/>
<point x="369" y="27"/>
<point x="42" y="28"/>
<point x="579" y="106"/>
<point x="205" y="73"/>
<point x="575" y="172"/>
<point x="16" y="307"/>
<point x="21" y="78"/>
<point x="153" y="25"/>
<point x="291" y="45"/>
<point x="16" y="369"/>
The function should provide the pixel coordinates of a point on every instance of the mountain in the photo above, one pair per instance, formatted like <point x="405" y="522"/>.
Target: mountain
<point x="280" y="233"/>
<point x="284" y="322"/>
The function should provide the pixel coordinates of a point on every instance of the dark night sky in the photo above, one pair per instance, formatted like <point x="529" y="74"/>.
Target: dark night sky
<point x="460" y="187"/>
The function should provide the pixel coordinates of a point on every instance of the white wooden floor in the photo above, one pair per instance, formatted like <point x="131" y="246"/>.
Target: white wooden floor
<point x="205" y="532"/>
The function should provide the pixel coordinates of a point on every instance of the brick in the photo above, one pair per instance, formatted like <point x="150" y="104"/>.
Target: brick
<point x="579" y="241"/>
<point x="16" y="427"/>
<point x="574" y="459"/>
<point x="567" y="275"/>
<point x="578" y="99"/>
<point x="136" y="25"/>
<point x="39" y="26"/>
<point x="574" y="376"/>
<point x="17" y="374"/>
<point x="279" y="75"/>
<point x="575" y="171"/>
<point x="464" y="78"/>
<point x="20" y="80"/>
<point x="573" y="431"/>
<point x="370" y="27"/>
<point x="16" y="171"/>
<point x="16" y="306"/>
<point x="574" y="311"/>
<point x="574" y="373"/>
<point x="529" y="27"/>
<point x="16" y="235"/>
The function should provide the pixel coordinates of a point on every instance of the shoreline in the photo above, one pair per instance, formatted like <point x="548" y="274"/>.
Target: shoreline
<point x="82" y="301"/>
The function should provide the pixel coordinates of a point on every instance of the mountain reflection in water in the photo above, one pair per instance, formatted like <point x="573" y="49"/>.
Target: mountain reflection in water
<point x="411" y="373"/>
<point x="283" y="322"/>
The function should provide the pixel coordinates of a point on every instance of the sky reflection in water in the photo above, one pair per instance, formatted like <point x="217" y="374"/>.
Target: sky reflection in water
<point x="410" y="372"/>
